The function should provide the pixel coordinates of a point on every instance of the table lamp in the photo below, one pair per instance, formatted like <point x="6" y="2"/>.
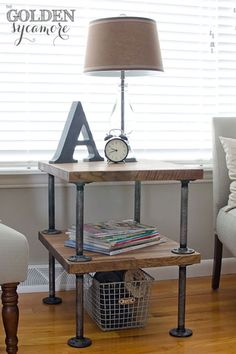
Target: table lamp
<point x="122" y="46"/>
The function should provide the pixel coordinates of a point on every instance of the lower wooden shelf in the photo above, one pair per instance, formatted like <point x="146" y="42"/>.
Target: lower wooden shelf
<point x="154" y="256"/>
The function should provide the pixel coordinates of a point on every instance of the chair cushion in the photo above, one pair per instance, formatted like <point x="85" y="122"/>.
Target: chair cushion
<point x="13" y="255"/>
<point x="226" y="228"/>
<point x="229" y="146"/>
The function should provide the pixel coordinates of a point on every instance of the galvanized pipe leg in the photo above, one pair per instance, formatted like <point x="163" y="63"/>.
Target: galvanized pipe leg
<point x="137" y="201"/>
<point x="79" y="256"/>
<point x="183" y="249"/>
<point x="79" y="341"/>
<point x="181" y="331"/>
<point x="52" y="299"/>
<point x="51" y="207"/>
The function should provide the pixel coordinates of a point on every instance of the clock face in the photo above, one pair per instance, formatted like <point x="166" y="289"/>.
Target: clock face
<point x="116" y="150"/>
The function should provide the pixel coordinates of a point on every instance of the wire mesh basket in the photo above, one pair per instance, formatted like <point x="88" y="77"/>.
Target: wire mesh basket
<point x="118" y="304"/>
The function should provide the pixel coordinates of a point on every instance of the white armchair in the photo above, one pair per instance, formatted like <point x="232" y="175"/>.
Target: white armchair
<point x="13" y="270"/>
<point x="224" y="190"/>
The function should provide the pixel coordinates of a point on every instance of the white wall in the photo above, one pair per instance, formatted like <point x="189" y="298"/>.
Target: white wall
<point x="23" y="206"/>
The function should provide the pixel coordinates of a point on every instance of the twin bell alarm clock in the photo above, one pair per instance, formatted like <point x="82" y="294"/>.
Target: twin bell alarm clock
<point x="117" y="146"/>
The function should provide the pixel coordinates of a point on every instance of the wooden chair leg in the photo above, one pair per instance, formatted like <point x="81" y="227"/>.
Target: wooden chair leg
<point x="10" y="316"/>
<point x="217" y="263"/>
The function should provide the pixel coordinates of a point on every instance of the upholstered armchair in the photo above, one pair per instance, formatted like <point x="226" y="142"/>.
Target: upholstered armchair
<point x="13" y="270"/>
<point x="224" y="191"/>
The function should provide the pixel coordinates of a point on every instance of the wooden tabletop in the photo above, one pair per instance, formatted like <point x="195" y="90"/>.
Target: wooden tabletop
<point x="101" y="171"/>
<point x="153" y="256"/>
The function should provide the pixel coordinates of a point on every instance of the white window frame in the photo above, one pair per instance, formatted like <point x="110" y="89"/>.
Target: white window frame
<point x="173" y="110"/>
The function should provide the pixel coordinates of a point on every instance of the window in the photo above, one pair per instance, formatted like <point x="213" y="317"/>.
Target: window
<point x="43" y="74"/>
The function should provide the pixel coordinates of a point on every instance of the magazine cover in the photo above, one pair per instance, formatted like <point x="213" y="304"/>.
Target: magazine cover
<point x="116" y="250"/>
<point x="113" y="228"/>
<point x="114" y="237"/>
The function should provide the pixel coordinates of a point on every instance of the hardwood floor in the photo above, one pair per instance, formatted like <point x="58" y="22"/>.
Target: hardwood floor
<point x="210" y="314"/>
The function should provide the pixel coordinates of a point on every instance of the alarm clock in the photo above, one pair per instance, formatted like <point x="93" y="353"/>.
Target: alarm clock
<point x="117" y="147"/>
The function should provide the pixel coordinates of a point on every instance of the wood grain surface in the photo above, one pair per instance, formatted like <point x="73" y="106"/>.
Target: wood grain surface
<point x="154" y="256"/>
<point x="45" y="329"/>
<point x="144" y="170"/>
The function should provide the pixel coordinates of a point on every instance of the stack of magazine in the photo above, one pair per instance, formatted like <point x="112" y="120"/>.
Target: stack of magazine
<point x="114" y="237"/>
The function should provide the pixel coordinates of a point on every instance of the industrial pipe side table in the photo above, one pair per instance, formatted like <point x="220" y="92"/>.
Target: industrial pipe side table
<point x="166" y="254"/>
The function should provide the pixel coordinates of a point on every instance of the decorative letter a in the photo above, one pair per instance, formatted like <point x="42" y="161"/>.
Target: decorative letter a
<point x="76" y="123"/>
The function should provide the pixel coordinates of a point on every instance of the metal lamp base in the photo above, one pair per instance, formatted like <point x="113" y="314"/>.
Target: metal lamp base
<point x="77" y="342"/>
<point x="131" y="159"/>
